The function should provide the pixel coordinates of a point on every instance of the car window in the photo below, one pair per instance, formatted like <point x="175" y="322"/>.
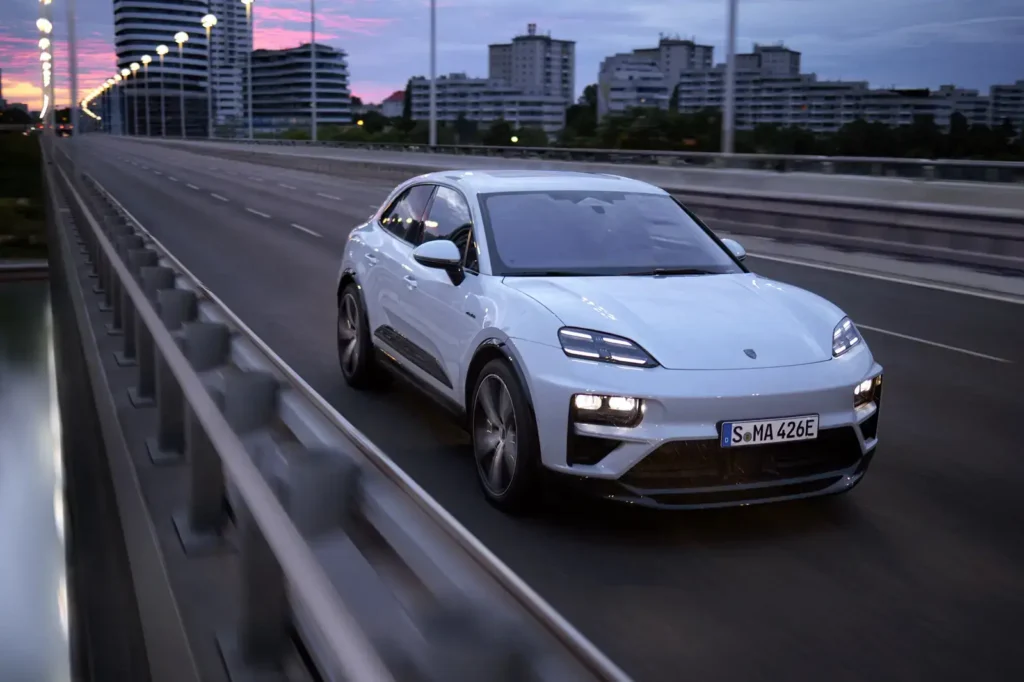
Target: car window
<point x="402" y="217"/>
<point x="471" y="256"/>
<point x="583" y="232"/>
<point x="449" y="218"/>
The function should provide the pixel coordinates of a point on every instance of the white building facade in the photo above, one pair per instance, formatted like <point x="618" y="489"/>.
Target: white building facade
<point x="282" y="88"/>
<point x="626" y="81"/>
<point x="486" y="101"/>
<point x="535" y="63"/>
<point x="232" y="41"/>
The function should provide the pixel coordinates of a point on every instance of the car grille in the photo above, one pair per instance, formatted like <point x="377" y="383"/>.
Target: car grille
<point x="704" y="463"/>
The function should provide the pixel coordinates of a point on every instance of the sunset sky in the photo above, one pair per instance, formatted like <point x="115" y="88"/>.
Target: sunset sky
<point x="919" y="43"/>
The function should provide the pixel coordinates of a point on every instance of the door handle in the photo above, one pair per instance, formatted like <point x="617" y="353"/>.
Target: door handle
<point x="410" y="282"/>
<point x="371" y="258"/>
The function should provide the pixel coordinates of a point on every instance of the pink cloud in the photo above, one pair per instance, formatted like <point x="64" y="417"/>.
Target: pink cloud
<point x="277" y="27"/>
<point x="23" y="75"/>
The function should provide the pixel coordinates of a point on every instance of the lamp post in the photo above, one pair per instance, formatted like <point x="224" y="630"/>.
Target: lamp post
<point x="248" y="63"/>
<point x="433" y="73"/>
<point x="146" y="59"/>
<point x="45" y="27"/>
<point x="134" y="66"/>
<point x="312" y="69"/>
<point x="209" y="21"/>
<point x="181" y="38"/>
<point x="72" y="65"/>
<point x="110" y="105"/>
<point x="161" y="50"/>
<point x="118" y="80"/>
<point x="729" y="109"/>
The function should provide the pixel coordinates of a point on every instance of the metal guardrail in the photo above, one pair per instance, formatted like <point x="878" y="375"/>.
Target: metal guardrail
<point x="968" y="170"/>
<point x="382" y="582"/>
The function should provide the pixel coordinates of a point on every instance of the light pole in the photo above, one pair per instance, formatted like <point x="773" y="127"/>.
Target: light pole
<point x="312" y="69"/>
<point x="181" y="38"/>
<point x="209" y="21"/>
<point x="161" y="50"/>
<point x="134" y="66"/>
<point x="72" y="66"/>
<point x="119" y="80"/>
<point x="110" y="105"/>
<point x="146" y="59"/>
<point x="46" y="59"/>
<point x="729" y="110"/>
<point x="248" y="63"/>
<point x="433" y="73"/>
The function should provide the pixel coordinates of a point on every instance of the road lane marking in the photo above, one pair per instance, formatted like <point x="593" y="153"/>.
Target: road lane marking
<point x="191" y="186"/>
<point x="256" y="179"/>
<point x="935" y="344"/>
<point x="259" y="213"/>
<point x="281" y="184"/>
<point x="306" y="230"/>
<point x="158" y="172"/>
<point x="172" y="178"/>
<point x="217" y="196"/>
<point x="328" y="196"/>
<point x="896" y="279"/>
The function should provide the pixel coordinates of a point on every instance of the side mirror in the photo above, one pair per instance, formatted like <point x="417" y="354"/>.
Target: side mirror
<point x="736" y="249"/>
<point x="439" y="253"/>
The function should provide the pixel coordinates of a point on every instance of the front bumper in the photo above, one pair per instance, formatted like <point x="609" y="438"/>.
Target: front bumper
<point x="673" y="458"/>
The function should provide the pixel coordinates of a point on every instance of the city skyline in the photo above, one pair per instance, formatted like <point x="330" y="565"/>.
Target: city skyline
<point x="919" y="43"/>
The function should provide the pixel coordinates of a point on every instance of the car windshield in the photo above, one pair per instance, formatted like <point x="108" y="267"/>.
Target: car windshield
<point x="581" y="232"/>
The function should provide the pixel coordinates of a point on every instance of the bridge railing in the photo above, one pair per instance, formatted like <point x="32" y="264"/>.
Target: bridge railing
<point x="955" y="170"/>
<point x="331" y="536"/>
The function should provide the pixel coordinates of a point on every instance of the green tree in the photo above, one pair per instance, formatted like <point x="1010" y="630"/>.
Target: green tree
<point x="499" y="134"/>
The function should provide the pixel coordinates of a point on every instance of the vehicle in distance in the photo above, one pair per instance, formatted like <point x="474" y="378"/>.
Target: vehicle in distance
<point x="591" y="325"/>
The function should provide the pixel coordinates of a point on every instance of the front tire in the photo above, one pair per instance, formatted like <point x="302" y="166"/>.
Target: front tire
<point x="506" y="448"/>
<point x="355" y="350"/>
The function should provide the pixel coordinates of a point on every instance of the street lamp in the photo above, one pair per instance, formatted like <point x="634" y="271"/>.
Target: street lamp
<point x="729" y="108"/>
<point x="161" y="50"/>
<point x="312" y="68"/>
<point x="44" y="43"/>
<point x="181" y="38"/>
<point x="44" y="25"/>
<point x="209" y="21"/>
<point x="134" y="66"/>
<point x="110" y="105"/>
<point x="119" y="93"/>
<point x="146" y="59"/>
<point x="248" y="62"/>
<point x="433" y="73"/>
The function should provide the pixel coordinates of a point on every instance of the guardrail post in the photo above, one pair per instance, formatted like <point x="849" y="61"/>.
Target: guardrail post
<point x="116" y="326"/>
<point x="135" y="260"/>
<point x="199" y="525"/>
<point x="317" y="487"/>
<point x="177" y="306"/>
<point x="154" y="279"/>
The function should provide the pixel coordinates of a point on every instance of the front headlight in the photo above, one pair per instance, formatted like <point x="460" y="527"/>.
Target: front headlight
<point x="589" y="345"/>
<point x="844" y="337"/>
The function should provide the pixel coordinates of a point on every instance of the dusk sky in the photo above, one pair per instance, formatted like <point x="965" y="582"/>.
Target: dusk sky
<point x="906" y="43"/>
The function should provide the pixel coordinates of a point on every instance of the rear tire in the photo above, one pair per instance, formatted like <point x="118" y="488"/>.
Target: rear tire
<point x="506" y="448"/>
<point x="355" y="349"/>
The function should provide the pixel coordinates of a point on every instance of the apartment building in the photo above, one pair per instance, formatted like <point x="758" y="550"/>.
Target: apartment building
<point x="629" y="80"/>
<point x="485" y="101"/>
<point x="1007" y="102"/>
<point x="282" y="88"/>
<point x="535" y="63"/>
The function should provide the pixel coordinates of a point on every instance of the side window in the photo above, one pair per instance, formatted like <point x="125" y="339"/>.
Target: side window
<point x="450" y="218"/>
<point x="403" y="216"/>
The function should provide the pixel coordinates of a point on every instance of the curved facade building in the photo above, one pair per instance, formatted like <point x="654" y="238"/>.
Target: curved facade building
<point x="282" y="88"/>
<point x="141" y="25"/>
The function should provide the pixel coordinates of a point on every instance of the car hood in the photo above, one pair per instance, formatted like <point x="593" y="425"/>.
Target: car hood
<point x="696" y="322"/>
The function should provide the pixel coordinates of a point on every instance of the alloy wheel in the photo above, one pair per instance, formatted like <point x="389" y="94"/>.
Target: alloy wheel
<point x="495" y="435"/>
<point x="348" y="334"/>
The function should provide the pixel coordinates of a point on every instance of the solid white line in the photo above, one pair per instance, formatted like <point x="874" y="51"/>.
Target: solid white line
<point x="948" y="288"/>
<point x="259" y="213"/>
<point x="306" y="230"/>
<point x="191" y="186"/>
<point x="328" y="196"/>
<point x="217" y="196"/>
<point x="281" y="184"/>
<point x="934" y="343"/>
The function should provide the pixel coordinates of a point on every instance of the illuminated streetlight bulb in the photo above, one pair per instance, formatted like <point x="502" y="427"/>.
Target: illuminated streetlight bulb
<point x="117" y="78"/>
<point x="162" y="50"/>
<point x="146" y="59"/>
<point x="247" y="2"/>
<point x="44" y="25"/>
<point x="44" y="43"/>
<point x="209" y="21"/>
<point x="45" y="57"/>
<point x="125" y="73"/>
<point x="110" y="82"/>
<point x="180" y="37"/>
<point x="134" y="66"/>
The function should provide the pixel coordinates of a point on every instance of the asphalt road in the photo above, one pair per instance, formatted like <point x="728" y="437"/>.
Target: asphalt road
<point x="917" y="574"/>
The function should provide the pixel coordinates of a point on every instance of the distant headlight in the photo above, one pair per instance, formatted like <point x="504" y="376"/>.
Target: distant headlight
<point x="589" y="345"/>
<point x="844" y="337"/>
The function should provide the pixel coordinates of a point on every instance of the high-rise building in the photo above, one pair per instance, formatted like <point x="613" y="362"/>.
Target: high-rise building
<point x="282" y="88"/>
<point x="674" y="55"/>
<point x="632" y="80"/>
<point x="232" y="41"/>
<point x="535" y="63"/>
<point x="1008" y="104"/>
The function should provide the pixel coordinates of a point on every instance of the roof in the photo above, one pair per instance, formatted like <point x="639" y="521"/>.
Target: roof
<point x="396" y="96"/>
<point x="484" y="181"/>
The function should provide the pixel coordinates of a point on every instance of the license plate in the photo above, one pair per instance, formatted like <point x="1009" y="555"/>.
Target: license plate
<point x="738" y="434"/>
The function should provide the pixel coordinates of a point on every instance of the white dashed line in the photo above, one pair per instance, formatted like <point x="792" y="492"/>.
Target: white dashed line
<point x="934" y="344"/>
<point x="191" y="186"/>
<point x="259" y="213"/>
<point x="172" y="178"/>
<point x="306" y="230"/>
<point x="256" y="179"/>
<point x="144" y="167"/>
<point x="328" y="196"/>
<point x="217" y="196"/>
<point x="158" y="172"/>
<point x="281" y="184"/>
<point x="374" y="207"/>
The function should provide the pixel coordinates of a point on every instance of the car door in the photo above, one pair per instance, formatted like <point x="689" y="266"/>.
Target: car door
<point x="443" y="310"/>
<point x="390" y="266"/>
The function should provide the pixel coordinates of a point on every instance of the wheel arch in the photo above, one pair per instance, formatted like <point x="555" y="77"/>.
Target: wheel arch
<point x="494" y="349"/>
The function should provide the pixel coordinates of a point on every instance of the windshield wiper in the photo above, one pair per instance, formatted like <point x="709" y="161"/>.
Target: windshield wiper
<point x="662" y="272"/>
